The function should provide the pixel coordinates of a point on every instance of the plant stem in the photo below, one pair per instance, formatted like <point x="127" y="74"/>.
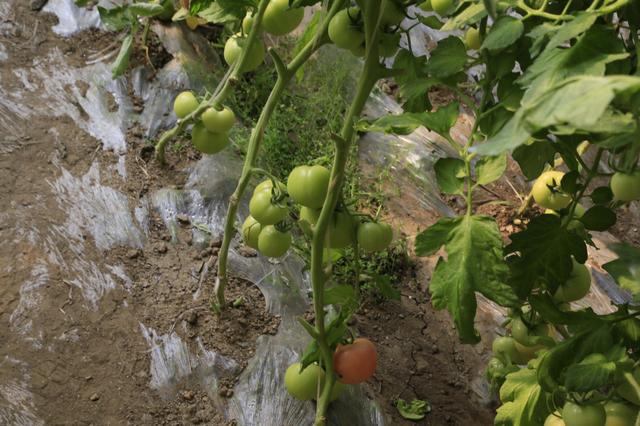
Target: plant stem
<point x="222" y="91"/>
<point x="370" y="74"/>
<point x="285" y="74"/>
<point x="591" y="174"/>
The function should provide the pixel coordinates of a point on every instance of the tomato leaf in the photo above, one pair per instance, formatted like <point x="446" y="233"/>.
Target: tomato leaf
<point x="415" y="410"/>
<point x="525" y="403"/>
<point x="474" y="264"/>
<point x="599" y="218"/>
<point x="585" y="377"/>
<point x="489" y="169"/>
<point x="505" y="32"/>
<point x="626" y="268"/>
<point x="121" y="62"/>
<point x="542" y="254"/>
<point x="116" y="18"/>
<point x="533" y="158"/>
<point x="448" y="58"/>
<point x="433" y="238"/>
<point x="216" y="14"/>
<point x="602" y="195"/>
<point x="449" y="174"/>
<point x="340" y="295"/>
<point x="146" y="9"/>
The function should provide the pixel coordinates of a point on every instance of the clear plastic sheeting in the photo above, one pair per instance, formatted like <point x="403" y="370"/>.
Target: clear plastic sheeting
<point x="72" y="19"/>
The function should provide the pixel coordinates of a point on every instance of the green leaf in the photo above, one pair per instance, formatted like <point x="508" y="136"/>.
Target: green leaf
<point x="121" y="62"/>
<point x="505" y="32"/>
<point x="439" y="121"/>
<point x="430" y="21"/>
<point x="585" y="377"/>
<point x="469" y="16"/>
<point x="554" y="362"/>
<point x="450" y="175"/>
<point x="448" y="58"/>
<point x="493" y="121"/>
<point x="541" y="254"/>
<point x="602" y="195"/>
<point x="339" y="295"/>
<point x="626" y="268"/>
<point x="415" y="410"/>
<point x="512" y="135"/>
<point x="489" y="169"/>
<point x="116" y="18"/>
<point x="572" y="29"/>
<point x="429" y="241"/>
<point x="474" y="264"/>
<point x="146" y="9"/>
<point x="533" y="158"/>
<point x="305" y="38"/>
<point x="216" y="14"/>
<point x="598" y="218"/>
<point x="524" y="403"/>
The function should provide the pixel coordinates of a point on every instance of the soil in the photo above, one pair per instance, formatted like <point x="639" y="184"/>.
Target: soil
<point x="92" y="366"/>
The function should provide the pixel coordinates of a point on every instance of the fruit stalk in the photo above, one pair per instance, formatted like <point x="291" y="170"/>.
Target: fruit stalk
<point x="370" y="74"/>
<point x="285" y="74"/>
<point x="223" y="90"/>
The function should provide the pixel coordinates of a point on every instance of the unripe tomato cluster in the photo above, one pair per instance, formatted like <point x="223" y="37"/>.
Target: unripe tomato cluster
<point x="266" y="230"/>
<point x="353" y="363"/>
<point x="210" y="133"/>
<point x="346" y="30"/>
<point x="278" y="20"/>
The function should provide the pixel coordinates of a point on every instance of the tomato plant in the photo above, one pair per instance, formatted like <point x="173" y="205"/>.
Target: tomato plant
<point x="279" y="19"/>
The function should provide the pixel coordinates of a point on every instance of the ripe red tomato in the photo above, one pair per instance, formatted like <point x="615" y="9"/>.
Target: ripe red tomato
<point x="207" y="142"/>
<point x="356" y="362"/>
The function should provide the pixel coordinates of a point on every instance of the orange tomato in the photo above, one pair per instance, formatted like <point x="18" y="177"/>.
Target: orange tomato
<point x="356" y="362"/>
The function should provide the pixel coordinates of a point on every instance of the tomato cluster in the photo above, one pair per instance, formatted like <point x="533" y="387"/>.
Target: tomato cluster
<point x="353" y="363"/>
<point x="266" y="228"/>
<point x="346" y="30"/>
<point x="210" y="133"/>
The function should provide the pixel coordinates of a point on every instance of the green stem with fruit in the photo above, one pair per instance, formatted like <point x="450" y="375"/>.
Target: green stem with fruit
<point x="222" y="91"/>
<point x="285" y="74"/>
<point x="372" y="72"/>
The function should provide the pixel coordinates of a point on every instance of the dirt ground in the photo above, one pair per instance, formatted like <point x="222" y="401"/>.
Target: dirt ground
<point x="66" y="360"/>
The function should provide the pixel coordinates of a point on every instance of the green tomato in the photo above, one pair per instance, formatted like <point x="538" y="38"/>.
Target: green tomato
<point x="426" y="6"/>
<point x="389" y="44"/>
<point x="577" y="286"/>
<point x="359" y="51"/>
<point x="546" y="198"/>
<point x="308" y="185"/>
<point x="619" y="414"/>
<point x="505" y="349"/>
<point x="279" y="19"/>
<point x="345" y="29"/>
<point x="268" y="184"/>
<point x="218" y="121"/>
<point x="247" y="23"/>
<point x="303" y="385"/>
<point x="393" y="15"/>
<point x="338" y="389"/>
<point x="341" y="230"/>
<point x="273" y="243"/>
<point x="626" y="186"/>
<point x="527" y="353"/>
<point x="472" y="38"/>
<point x="308" y="218"/>
<point x="626" y="391"/>
<point x="442" y="7"/>
<point x="251" y="231"/>
<point x="233" y="50"/>
<point x="583" y="415"/>
<point x="554" y="420"/>
<point x="374" y="236"/>
<point x="264" y="211"/>
<point x="523" y="334"/>
<point x="207" y="142"/>
<point x="184" y="104"/>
